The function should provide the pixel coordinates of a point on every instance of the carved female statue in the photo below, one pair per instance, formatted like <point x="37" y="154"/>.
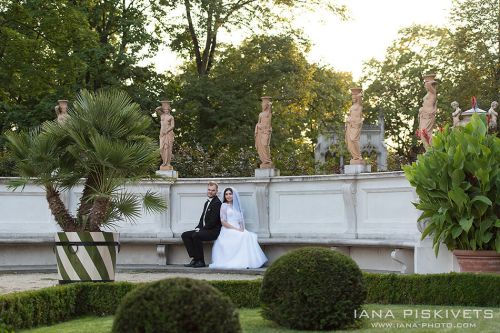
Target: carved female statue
<point x="166" y="134"/>
<point x="427" y="113"/>
<point x="353" y="126"/>
<point x="492" y="116"/>
<point x="61" y="110"/>
<point x="456" y="113"/>
<point x="263" y="131"/>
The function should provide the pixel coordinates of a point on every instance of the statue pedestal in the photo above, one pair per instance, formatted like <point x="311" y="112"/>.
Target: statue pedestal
<point x="266" y="173"/>
<point x="168" y="173"/>
<point x="357" y="168"/>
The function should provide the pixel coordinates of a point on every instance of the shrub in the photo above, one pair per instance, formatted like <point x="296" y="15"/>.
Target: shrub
<point x="458" y="185"/>
<point x="464" y="289"/>
<point x="176" y="305"/>
<point x="312" y="288"/>
<point x="243" y="293"/>
<point x="56" y="304"/>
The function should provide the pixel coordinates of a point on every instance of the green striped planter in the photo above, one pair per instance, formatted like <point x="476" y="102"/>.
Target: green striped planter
<point x="86" y="256"/>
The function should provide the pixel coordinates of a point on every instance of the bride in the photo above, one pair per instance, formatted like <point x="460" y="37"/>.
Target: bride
<point x="235" y="247"/>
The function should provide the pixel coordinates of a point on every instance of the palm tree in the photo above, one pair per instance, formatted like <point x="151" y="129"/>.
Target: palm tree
<point x="101" y="143"/>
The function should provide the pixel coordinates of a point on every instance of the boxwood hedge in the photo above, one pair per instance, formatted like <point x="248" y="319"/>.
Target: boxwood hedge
<point x="60" y="303"/>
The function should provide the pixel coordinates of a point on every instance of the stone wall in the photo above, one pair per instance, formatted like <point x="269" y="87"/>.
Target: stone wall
<point x="367" y="216"/>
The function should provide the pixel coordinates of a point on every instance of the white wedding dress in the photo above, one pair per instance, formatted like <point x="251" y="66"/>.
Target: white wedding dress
<point x="233" y="248"/>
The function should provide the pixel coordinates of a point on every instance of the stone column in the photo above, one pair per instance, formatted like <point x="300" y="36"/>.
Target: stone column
<point x="262" y="201"/>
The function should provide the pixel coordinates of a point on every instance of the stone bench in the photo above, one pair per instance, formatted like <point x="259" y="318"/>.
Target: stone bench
<point x="393" y="255"/>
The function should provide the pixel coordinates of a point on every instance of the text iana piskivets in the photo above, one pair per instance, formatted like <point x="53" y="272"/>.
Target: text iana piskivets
<point x="427" y="314"/>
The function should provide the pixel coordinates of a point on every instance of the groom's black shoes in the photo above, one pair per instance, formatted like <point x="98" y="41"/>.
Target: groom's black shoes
<point x="191" y="264"/>
<point x="198" y="264"/>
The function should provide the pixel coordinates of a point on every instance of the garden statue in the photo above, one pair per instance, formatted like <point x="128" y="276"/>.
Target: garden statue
<point x="456" y="113"/>
<point x="427" y="113"/>
<point x="492" y="116"/>
<point x="353" y="126"/>
<point x="263" y="131"/>
<point x="61" y="110"/>
<point x="166" y="134"/>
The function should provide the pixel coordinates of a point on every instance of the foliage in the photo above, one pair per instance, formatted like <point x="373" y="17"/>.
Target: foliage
<point x="458" y="185"/>
<point x="243" y="293"/>
<point x="466" y="289"/>
<point x="312" y="288"/>
<point x="472" y="61"/>
<point x="212" y="109"/>
<point x="7" y="164"/>
<point x="176" y="305"/>
<point x="195" y="33"/>
<point x="395" y="85"/>
<point x="192" y="160"/>
<point x="34" y="308"/>
<point x="465" y="56"/>
<point x="101" y="141"/>
<point x="50" y="50"/>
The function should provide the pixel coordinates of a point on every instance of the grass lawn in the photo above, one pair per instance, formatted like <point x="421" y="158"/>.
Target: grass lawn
<point x="394" y="321"/>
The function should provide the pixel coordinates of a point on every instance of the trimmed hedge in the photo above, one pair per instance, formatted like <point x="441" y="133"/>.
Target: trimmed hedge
<point x="466" y="289"/>
<point x="176" y="305"/>
<point x="60" y="303"/>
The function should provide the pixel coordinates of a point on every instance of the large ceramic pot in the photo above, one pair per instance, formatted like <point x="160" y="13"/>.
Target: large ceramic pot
<point x="86" y="256"/>
<point x="478" y="261"/>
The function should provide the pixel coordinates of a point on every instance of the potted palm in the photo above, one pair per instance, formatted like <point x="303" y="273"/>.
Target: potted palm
<point x="458" y="185"/>
<point x="102" y="145"/>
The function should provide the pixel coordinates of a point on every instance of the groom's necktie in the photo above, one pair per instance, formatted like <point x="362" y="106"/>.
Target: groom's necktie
<point x="205" y="211"/>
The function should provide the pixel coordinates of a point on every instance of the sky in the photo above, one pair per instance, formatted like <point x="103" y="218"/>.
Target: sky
<point x="345" y="45"/>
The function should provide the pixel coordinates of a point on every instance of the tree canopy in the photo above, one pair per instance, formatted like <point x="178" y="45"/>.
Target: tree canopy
<point x="465" y="56"/>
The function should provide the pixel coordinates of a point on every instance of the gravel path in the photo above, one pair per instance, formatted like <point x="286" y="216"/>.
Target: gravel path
<point x="12" y="282"/>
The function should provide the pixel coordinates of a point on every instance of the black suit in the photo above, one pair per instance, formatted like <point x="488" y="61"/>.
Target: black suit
<point x="208" y="231"/>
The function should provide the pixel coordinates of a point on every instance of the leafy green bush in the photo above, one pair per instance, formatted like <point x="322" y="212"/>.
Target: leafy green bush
<point x="458" y="185"/>
<point x="176" y="305"/>
<point x="312" y="288"/>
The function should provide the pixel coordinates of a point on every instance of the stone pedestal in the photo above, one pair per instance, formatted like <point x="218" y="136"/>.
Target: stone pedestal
<point x="426" y="261"/>
<point x="168" y="173"/>
<point x="266" y="173"/>
<point x="357" y="168"/>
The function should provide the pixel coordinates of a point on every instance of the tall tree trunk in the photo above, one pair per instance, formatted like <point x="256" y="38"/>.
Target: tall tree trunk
<point x="98" y="213"/>
<point x="85" y="203"/>
<point x="59" y="210"/>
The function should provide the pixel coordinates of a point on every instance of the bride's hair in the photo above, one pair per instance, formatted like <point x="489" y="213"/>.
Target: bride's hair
<point x="224" y="195"/>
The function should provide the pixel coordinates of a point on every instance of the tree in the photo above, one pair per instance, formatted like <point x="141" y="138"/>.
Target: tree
<point x="473" y="57"/>
<point x="395" y="84"/>
<point x="262" y="65"/>
<point x="195" y="33"/>
<point x="102" y="142"/>
<point x="466" y="58"/>
<point x="50" y="50"/>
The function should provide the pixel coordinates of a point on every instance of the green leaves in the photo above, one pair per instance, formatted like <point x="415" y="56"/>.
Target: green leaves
<point x="457" y="182"/>
<point x="466" y="224"/>
<point x="102" y="142"/>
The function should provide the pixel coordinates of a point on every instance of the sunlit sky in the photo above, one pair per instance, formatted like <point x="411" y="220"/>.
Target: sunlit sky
<point x="345" y="45"/>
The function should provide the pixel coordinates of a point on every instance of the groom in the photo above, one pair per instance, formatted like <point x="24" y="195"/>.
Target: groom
<point x="207" y="230"/>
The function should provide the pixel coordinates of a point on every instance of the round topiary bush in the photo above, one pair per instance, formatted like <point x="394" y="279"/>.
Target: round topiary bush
<point x="176" y="305"/>
<point x="314" y="289"/>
